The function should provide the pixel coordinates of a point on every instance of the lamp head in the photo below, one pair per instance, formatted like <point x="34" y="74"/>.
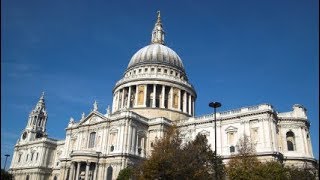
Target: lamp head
<point x="214" y="104"/>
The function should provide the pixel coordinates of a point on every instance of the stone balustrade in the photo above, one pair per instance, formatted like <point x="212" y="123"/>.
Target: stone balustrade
<point x="230" y="113"/>
<point x="154" y="76"/>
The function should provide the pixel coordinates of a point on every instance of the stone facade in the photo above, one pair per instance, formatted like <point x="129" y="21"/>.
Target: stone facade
<point x="153" y="95"/>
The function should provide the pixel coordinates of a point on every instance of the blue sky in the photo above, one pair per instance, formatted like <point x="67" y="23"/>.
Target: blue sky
<point x="240" y="53"/>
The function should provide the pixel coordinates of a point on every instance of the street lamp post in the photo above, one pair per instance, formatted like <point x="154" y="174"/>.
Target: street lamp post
<point x="215" y="105"/>
<point x="5" y="162"/>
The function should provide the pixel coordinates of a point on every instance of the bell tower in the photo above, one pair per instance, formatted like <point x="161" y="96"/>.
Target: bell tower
<point x="36" y="126"/>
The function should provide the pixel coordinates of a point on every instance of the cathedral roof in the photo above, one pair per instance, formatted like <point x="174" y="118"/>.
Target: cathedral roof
<point x="156" y="52"/>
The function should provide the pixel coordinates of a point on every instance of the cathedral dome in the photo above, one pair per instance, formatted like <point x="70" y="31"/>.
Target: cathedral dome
<point x="156" y="53"/>
<point x="155" y="83"/>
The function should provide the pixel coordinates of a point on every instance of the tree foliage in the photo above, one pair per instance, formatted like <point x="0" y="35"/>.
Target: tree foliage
<point x="246" y="166"/>
<point x="5" y="175"/>
<point x="242" y="166"/>
<point x="171" y="159"/>
<point x="125" y="174"/>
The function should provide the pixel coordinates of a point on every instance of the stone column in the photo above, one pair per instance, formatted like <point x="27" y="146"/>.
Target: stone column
<point x="116" y="104"/>
<point x="129" y="137"/>
<point x="137" y="144"/>
<point x="63" y="169"/>
<point x="171" y="98"/>
<point x="122" y="99"/>
<point x="145" y="95"/>
<point x="162" y="97"/>
<point x="136" y="97"/>
<point x="154" y="96"/>
<point x="185" y="101"/>
<point x="263" y="133"/>
<point x="272" y="139"/>
<point x="87" y="170"/>
<point x="193" y="112"/>
<point x="129" y="97"/>
<point x="122" y="138"/>
<point x="309" y="144"/>
<point x="133" y="140"/>
<point x="189" y="104"/>
<point x="44" y="155"/>
<point x="78" y="170"/>
<point x="95" y="172"/>
<point x="71" y="174"/>
<point x="113" y="102"/>
<point x="179" y="100"/>
<point x="303" y="137"/>
<point x="142" y="147"/>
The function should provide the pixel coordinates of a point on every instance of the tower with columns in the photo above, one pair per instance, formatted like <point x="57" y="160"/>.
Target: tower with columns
<point x="33" y="153"/>
<point x="36" y="125"/>
<point x="153" y="94"/>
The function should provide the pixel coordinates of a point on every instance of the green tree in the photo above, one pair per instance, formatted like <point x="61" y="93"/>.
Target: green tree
<point x="200" y="159"/>
<point x="171" y="159"/>
<point x="125" y="174"/>
<point x="5" y="175"/>
<point x="246" y="166"/>
<point x="301" y="173"/>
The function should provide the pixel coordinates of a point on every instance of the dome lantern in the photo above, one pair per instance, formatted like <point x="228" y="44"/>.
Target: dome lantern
<point x="157" y="32"/>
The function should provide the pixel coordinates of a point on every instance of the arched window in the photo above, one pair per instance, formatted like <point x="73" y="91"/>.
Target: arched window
<point x="34" y="120"/>
<point x="92" y="138"/>
<point x="55" y="178"/>
<point x="27" y="178"/>
<point x="232" y="149"/>
<point x="109" y="173"/>
<point x="290" y="141"/>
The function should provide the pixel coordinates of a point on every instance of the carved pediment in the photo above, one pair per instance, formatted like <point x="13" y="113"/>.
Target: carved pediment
<point x="92" y="118"/>
<point x="231" y="129"/>
<point x="204" y="132"/>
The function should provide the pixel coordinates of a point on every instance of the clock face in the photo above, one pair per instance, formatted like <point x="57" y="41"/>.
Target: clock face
<point x="24" y="135"/>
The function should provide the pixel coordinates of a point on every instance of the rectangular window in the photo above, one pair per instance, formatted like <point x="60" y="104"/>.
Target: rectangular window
<point x="231" y="138"/>
<point x="31" y="156"/>
<point x="254" y="135"/>
<point x="92" y="139"/>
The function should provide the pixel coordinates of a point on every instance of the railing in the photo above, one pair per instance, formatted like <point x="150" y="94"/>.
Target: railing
<point x="125" y="113"/>
<point x="84" y="152"/>
<point x="158" y="76"/>
<point x="230" y="113"/>
<point x="285" y="114"/>
<point x="159" y="120"/>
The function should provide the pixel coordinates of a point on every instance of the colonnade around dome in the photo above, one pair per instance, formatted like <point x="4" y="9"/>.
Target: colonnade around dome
<point x="159" y="96"/>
